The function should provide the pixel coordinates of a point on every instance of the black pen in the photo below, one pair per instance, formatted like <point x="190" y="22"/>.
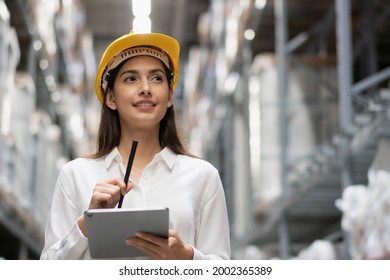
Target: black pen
<point x="128" y="169"/>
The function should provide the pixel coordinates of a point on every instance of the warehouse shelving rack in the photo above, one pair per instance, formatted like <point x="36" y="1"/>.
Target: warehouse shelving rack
<point x="22" y="227"/>
<point x="305" y="211"/>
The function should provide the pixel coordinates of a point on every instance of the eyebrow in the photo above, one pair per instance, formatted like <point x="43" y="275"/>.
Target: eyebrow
<point x="152" y="71"/>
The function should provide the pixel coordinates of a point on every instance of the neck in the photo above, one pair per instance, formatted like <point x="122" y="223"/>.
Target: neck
<point x="148" y="146"/>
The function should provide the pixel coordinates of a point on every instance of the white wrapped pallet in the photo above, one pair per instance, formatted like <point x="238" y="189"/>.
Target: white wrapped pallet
<point x="22" y="107"/>
<point x="9" y="58"/>
<point x="4" y="26"/>
<point x="44" y="14"/>
<point x="196" y="109"/>
<point x="74" y="126"/>
<point x="318" y="250"/>
<point x="47" y="162"/>
<point x="366" y="210"/>
<point x="312" y="119"/>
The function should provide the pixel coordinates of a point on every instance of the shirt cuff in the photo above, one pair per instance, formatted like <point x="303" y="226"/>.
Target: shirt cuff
<point x="75" y="246"/>
<point x="197" y="254"/>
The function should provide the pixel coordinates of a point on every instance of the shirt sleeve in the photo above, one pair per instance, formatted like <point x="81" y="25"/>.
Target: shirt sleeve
<point x="212" y="236"/>
<point x="63" y="238"/>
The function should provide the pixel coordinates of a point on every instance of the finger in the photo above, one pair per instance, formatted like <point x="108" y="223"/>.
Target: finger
<point x="124" y="189"/>
<point x="112" y="190"/>
<point x="130" y="186"/>
<point x="151" y="249"/>
<point x="105" y="195"/>
<point x="159" y="241"/>
<point x="172" y="233"/>
<point x="151" y="253"/>
<point x="104" y="199"/>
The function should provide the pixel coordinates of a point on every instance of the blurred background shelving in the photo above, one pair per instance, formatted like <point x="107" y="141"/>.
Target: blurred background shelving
<point x="289" y="99"/>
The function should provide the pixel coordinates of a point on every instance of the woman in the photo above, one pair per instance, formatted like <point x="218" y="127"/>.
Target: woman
<point x="135" y="83"/>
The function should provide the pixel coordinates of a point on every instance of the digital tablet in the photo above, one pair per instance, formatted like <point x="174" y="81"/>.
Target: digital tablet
<point x="108" y="229"/>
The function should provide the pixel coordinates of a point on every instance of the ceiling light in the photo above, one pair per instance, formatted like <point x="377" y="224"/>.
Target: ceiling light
<point x="249" y="34"/>
<point x="37" y="45"/>
<point x="141" y="12"/>
<point x="44" y="64"/>
<point x="142" y="25"/>
<point x="141" y="8"/>
<point x="4" y="13"/>
<point x="260" y="4"/>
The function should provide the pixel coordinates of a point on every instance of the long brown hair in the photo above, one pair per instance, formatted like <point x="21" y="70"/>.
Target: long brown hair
<point x="109" y="133"/>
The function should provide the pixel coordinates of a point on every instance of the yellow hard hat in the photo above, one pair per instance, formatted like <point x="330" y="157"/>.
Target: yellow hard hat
<point x="161" y="46"/>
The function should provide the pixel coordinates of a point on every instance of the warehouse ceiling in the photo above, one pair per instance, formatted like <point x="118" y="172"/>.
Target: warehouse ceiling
<point x="316" y="19"/>
<point x="108" y="20"/>
<point x="312" y="19"/>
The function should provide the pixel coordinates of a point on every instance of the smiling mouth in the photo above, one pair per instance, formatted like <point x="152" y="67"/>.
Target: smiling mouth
<point x="144" y="104"/>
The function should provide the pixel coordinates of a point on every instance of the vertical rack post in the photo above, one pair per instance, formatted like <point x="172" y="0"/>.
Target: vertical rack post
<point x="281" y="36"/>
<point x="344" y="72"/>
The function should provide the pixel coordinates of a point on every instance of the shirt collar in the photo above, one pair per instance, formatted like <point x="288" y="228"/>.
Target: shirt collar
<point x="167" y="155"/>
<point x="114" y="155"/>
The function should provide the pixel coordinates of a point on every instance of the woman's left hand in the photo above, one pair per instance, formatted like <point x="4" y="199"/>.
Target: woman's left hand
<point x="159" y="248"/>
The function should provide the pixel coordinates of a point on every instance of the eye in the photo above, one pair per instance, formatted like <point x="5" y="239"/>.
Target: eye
<point x="130" y="79"/>
<point x="157" y="78"/>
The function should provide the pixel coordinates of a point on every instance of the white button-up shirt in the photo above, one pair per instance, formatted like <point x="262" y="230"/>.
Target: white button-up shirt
<point x="190" y="187"/>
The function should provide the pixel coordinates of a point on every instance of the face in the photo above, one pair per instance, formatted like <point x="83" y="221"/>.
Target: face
<point x="141" y="93"/>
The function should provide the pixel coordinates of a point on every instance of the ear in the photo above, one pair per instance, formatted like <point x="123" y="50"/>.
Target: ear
<point x="110" y="100"/>
<point x="170" y="98"/>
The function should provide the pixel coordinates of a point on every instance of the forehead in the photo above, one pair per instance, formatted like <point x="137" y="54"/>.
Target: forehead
<point x="142" y="62"/>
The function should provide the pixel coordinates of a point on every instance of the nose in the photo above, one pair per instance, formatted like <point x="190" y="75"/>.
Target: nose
<point x="145" y="87"/>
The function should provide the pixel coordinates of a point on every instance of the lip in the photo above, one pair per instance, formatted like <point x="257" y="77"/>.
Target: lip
<point x="144" y="104"/>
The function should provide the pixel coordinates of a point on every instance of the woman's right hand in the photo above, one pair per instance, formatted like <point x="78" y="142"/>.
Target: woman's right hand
<point x="107" y="194"/>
